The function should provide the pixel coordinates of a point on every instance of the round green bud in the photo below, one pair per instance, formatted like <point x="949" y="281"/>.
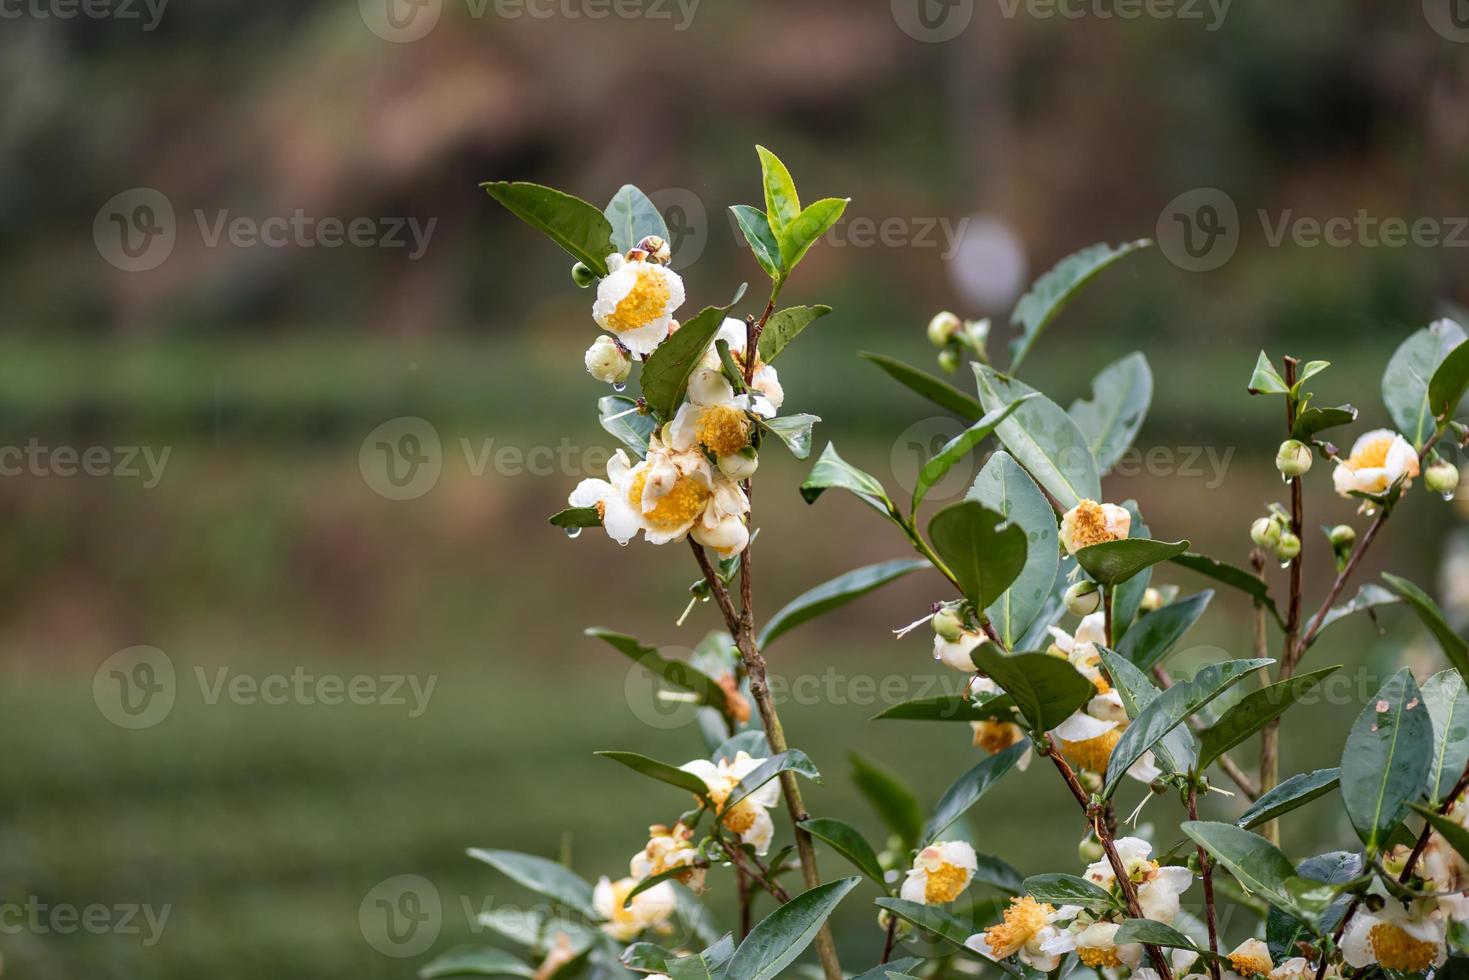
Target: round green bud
<point x="1265" y="532"/>
<point x="1083" y="598"/>
<point x="948" y="624"/>
<point x="1442" y="478"/>
<point x="943" y="327"/>
<point x="582" y="275"/>
<point x="1288" y="547"/>
<point x="1343" y="537"/>
<point x="949" y="360"/>
<point x="1293" y="459"/>
<point x="1090" y="850"/>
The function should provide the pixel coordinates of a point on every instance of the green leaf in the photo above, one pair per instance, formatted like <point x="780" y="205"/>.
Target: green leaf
<point x="1047" y="689"/>
<point x="1452" y="643"/>
<point x="959" y="447"/>
<point x="1127" y="599"/>
<point x="675" y="672"/>
<point x="783" y="327"/>
<point x="1283" y="931"/>
<point x="619" y="416"/>
<point x="572" y="223"/>
<point x="1405" y="383"/>
<point x="1169" y="710"/>
<point x="1043" y="439"/>
<point x="1253" y="712"/>
<point x="794" y="431"/>
<point x="792" y="760"/>
<point x="936" y="390"/>
<point x="835" y="594"/>
<point x="554" y="881"/>
<point x="1266" y="380"/>
<point x="666" y="372"/>
<point x="633" y="217"/>
<point x="1386" y="760"/>
<point x="781" y="203"/>
<point x="1114" y="562"/>
<point x="1059" y="890"/>
<point x="1450" y="829"/>
<point x="1448" y="708"/>
<point x="1255" y="862"/>
<point x="933" y="920"/>
<point x="1309" y="371"/>
<point x="756" y="229"/>
<point x="1006" y="489"/>
<point x="1449" y="382"/>
<point x="833" y="471"/>
<point x="1050" y="293"/>
<point x="1368" y="597"/>
<point x="1295" y="792"/>
<point x="1232" y="576"/>
<point x="1152" y="637"/>
<point x="1177" y="750"/>
<point x="984" y="551"/>
<point x="847" y="841"/>
<point x="808" y="226"/>
<point x="1110" y="421"/>
<point x="892" y="968"/>
<point x="482" y="961"/>
<point x="1152" y="933"/>
<point x="751" y="742"/>
<point x="576" y="517"/>
<point x="1313" y="421"/>
<point x="894" y="801"/>
<point x="661" y="771"/>
<point x="950" y="707"/>
<point x="785" y="933"/>
<point x="652" y="881"/>
<point x="968" y="788"/>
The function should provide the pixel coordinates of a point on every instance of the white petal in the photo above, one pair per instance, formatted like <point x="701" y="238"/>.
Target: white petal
<point x="589" y="493"/>
<point x="1082" y="726"/>
<point x="915" y="887"/>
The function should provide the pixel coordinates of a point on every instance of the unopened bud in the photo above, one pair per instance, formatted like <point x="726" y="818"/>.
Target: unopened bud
<point x="1265" y="532"/>
<point x="740" y="465"/>
<point x="1288" y="547"/>
<point x="1090" y="850"/>
<point x="943" y="327"/>
<point x="582" y="275"/>
<point x="1083" y="598"/>
<point x="656" y="248"/>
<point x="1090" y="781"/>
<point x="606" y="362"/>
<point x="948" y="624"/>
<point x="1343" y="537"/>
<point x="1442" y="477"/>
<point x="949" y="360"/>
<point x="1293" y="459"/>
<point x="1152" y="600"/>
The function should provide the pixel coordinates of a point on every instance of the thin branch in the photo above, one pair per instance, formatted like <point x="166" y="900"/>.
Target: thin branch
<point x="1206" y="870"/>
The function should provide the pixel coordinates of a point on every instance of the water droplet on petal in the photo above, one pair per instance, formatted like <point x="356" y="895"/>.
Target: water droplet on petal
<point x="573" y="532"/>
<point x="1447" y="496"/>
<point x="619" y="386"/>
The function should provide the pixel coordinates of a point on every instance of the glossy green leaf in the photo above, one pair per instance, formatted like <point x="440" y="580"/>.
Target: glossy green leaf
<point x="933" y="920"/>
<point x="1368" y="597"/>
<point x="893" y="799"/>
<point x="1409" y="372"/>
<point x="892" y="968"/>
<point x="1110" y="420"/>
<point x="756" y="229"/>
<point x="1253" y="712"/>
<point x="752" y="742"/>
<point x="661" y="771"/>
<point x="835" y="594"/>
<point x="554" y="881"/>
<point x="1114" y="562"/>
<point x="797" y="237"/>
<point x="936" y="390"/>
<point x="483" y="961"/>
<point x="1006" y="489"/>
<point x="1448" y="828"/>
<point x="678" y="673"/>
<point x="1266" y="380"/>
<point x="1043" y="439"/>
<point x="1127" y="598"/>
<point x="1449" y="382"/>
<point x="1448" y="709"/>
<point x="1061" y="889"/>
<point x="690" y="968"/>
<point x="1047" y="689"/>
<point x="847" y="841"/>
<point x="576" y="517"/>
<point x="1311" y="422"/>
<point x="968" y="788"/>
<point x="794" y="431"/>
<point x="782" y="205"/>
<point x="1050" y="293"/>
<point x="1152" y="933"/>
<point x="791" y="760"/>
<point x="1170" y="709"/>
<point x="1037" y="635"/>
<point x="1386" y="760"/>
<point x="1452" y="643"/>
<point x="833" y="471"/>
<point x="785" y="933"/>
<point x="1152" y="637"/>
<point x="983" y="551"/>
<point x="1256" y="863"/>
<point x="784" y="326"/>
<point x="950" y="707"/>
<point x="633" y="217"/>
<point x="666" y="372"/>
<point x="1283" y="930"/>
<point x="1232" y="576"/>
<point x="1295" y="792"/>
<point x="959" y="447"/>
<point x="619" y="416"/>
<point x="1178" y="750"/>
<point x="575" y="225"/>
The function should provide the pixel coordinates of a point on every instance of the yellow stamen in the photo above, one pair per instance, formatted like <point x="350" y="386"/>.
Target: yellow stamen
<point x="1096" y="957"/>
<point x="1092" y="753"/>
<point x="644" y="303"/>
<point x="1246" y="965"/>
<point x="674" y="509"/>
<point x="945" y="884"/>
<point x="997" y="736"/>
<point x="724" y="429"/>
<point x="1397" y="950"/>
<point x="1371" y="456"/>
<point x="1023" y="919"/>
<point x="1089" y="525"/>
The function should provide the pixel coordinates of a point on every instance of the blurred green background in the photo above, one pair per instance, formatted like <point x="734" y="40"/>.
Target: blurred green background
<point x="264" y="548"/>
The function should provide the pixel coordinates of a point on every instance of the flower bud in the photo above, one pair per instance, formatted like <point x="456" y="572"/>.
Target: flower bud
<point x="657" y="249"/>
<point x="1293" y="459"/>
<point x="1083" y="598"/>
<point x="1265" y="532"/>
<point x="606" y="361"/>
<point x="1090" y="781"/>
<point x="582" y="275"/>
<point x="1152" y="600"/>
<point x="1288" y="547"/>
<point x="1442" y="477"/>
<point x="949" y="360"/>
<point x="1342" y="537"/>
<point x="943" y="327"/>
<point x="1090" y="850"/>
<point x="948" y="624"/>
<point x="740" y="465"/>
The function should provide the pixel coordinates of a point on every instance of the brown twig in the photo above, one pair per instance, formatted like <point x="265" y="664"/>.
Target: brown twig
<point x="1269" y="744"/>
<point x="890" y="939"/>
<point x="1207" y="873"/>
